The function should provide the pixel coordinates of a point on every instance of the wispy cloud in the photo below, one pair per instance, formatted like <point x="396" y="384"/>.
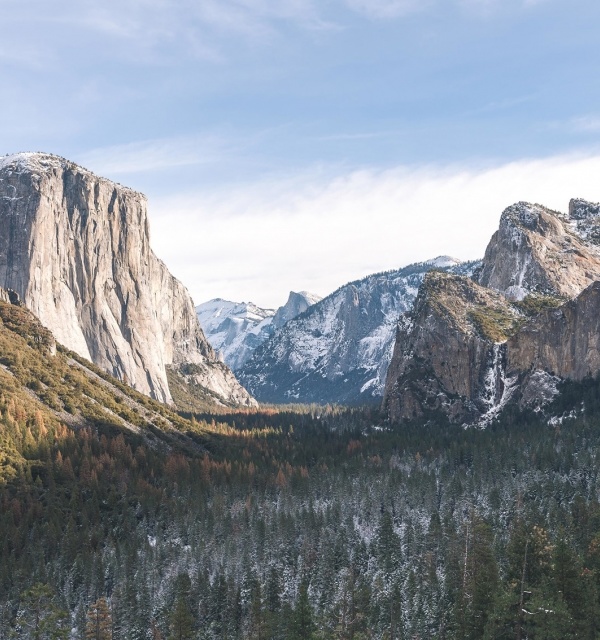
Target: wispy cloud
<point x="488" y="7"/>
<point x="319" y="230"/>
<point x="152" y="155"/>
<point x="148" y="29"/>
<point x="388" y="8"/>
<point x="585" y="124"/>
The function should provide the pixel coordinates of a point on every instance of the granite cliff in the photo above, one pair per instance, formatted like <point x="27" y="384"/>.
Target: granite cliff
<point x="76" y="249"/>
<point x="563" y="342"/>
<point x="449" y="355"/>
<point x="530" y="320"/>
<point x="537" y="250"/>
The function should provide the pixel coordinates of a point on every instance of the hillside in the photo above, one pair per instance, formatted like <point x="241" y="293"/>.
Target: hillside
<point x="60" y="389"/>
<point x="316" y="524"/>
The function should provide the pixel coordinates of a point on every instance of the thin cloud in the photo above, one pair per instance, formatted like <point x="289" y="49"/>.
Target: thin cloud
<point x="585" y="124"/>
<point x="152" y="155"/>
<point x="142" y="29"/>
<point x="319" y="231"/>
<point x="380" y="9"/>
<point x="487" y="8"/>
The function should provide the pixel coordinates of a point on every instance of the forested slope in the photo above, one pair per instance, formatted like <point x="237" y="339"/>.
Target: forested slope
<point x="313" y="523"/>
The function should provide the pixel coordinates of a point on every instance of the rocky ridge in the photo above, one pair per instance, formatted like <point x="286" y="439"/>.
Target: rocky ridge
<point x="236" y="329"/>
<point x="449" y="354"/>
<point x="76" y="249"/>
<point x="537" y="250"/>
<point x="339" y="349"/>
<point x="467" y="349"/>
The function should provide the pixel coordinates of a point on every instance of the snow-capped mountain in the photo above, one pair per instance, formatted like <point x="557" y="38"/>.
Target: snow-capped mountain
<point x="236" y="329"/>
<point x="340" y="348"/>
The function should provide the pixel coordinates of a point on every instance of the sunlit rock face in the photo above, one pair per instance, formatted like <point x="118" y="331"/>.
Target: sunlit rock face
<point x="529" y="318"/>
<point x="564" y="342"/>
<point x="537" y="250"/>
<point x="76" y="248"/>
<point x="450" y="355"/>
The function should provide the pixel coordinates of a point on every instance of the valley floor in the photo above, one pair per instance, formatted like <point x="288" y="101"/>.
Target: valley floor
<point x="326" y="523"/>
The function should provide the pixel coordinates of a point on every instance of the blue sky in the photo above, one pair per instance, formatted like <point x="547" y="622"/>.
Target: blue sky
<point x="295" y="144"/>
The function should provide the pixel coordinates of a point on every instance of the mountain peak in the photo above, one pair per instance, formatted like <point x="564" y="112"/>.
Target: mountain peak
<point x="538" y="250"/>
<point x="297" y="303"/>
<point x="236" y="329"/>
<point x="442" y="262"/>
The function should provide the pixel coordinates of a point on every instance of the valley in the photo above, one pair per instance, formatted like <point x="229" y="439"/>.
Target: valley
<point x="413" y="456"/>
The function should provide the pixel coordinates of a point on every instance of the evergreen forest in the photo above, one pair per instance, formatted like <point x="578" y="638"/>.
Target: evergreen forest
<point x="290" y="523"/>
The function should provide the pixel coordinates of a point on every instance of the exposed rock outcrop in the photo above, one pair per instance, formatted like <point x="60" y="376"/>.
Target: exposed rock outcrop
<point x="449" y="354"/>
<point x="76" y="248"/>
<point x="537" y="250"/>
<point x="564" y="342"/>
<point x="296" y="304"/>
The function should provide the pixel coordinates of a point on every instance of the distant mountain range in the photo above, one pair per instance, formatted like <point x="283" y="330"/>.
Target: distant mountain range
<point x="338" y="350"/>
<point x="236" y="329"/>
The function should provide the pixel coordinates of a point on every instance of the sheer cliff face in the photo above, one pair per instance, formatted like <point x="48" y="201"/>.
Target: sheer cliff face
<point x="446" y="357"/>
<point x="564" y="342"/>
<point x="537" y="250"/>
<point x="466" y="349"/>
<point x="76" y="248"/>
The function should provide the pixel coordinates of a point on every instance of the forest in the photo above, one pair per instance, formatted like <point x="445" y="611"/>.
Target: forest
<point x="321" y="522"/>
<point x="122" y="519"/>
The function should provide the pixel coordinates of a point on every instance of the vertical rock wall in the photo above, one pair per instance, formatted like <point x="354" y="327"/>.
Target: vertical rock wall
<point x="76" y="248"/>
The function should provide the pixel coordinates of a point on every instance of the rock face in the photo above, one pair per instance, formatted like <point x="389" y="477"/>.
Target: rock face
<point x="236" y="329"/>
<point x="339" y="349"/>
<point x="296" y="304"/>
<point x="467" y="349"/>
<point x="449" y="355"/>
<point x="76" y="248"/>
<point x="537" y="250"/>
<point x="563" y="342"/>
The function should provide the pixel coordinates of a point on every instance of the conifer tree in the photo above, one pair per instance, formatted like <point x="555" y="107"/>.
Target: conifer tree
<point x="99" y="622"/>
<point x="39" y="617"/>
<point x="182" y="619"/>
<point x="302" y="625"/>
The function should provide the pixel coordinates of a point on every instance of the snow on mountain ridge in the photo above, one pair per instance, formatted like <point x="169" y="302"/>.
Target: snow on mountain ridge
<point x="339" y="350"/>
<point x="236" y="329"/>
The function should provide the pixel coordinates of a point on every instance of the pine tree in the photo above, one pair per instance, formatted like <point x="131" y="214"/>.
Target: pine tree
<point x="388" y="546"/>
<point x="483" y="579"/>
<point x="257" y="617"/>
<point x="302" y="624"/>
<point x="39" y="617"/>
<point x="99" y="622"/>
<point x="182" y="619"/>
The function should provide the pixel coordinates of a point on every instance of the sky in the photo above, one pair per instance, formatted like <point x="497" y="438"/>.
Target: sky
<point x="298" y="145"/>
